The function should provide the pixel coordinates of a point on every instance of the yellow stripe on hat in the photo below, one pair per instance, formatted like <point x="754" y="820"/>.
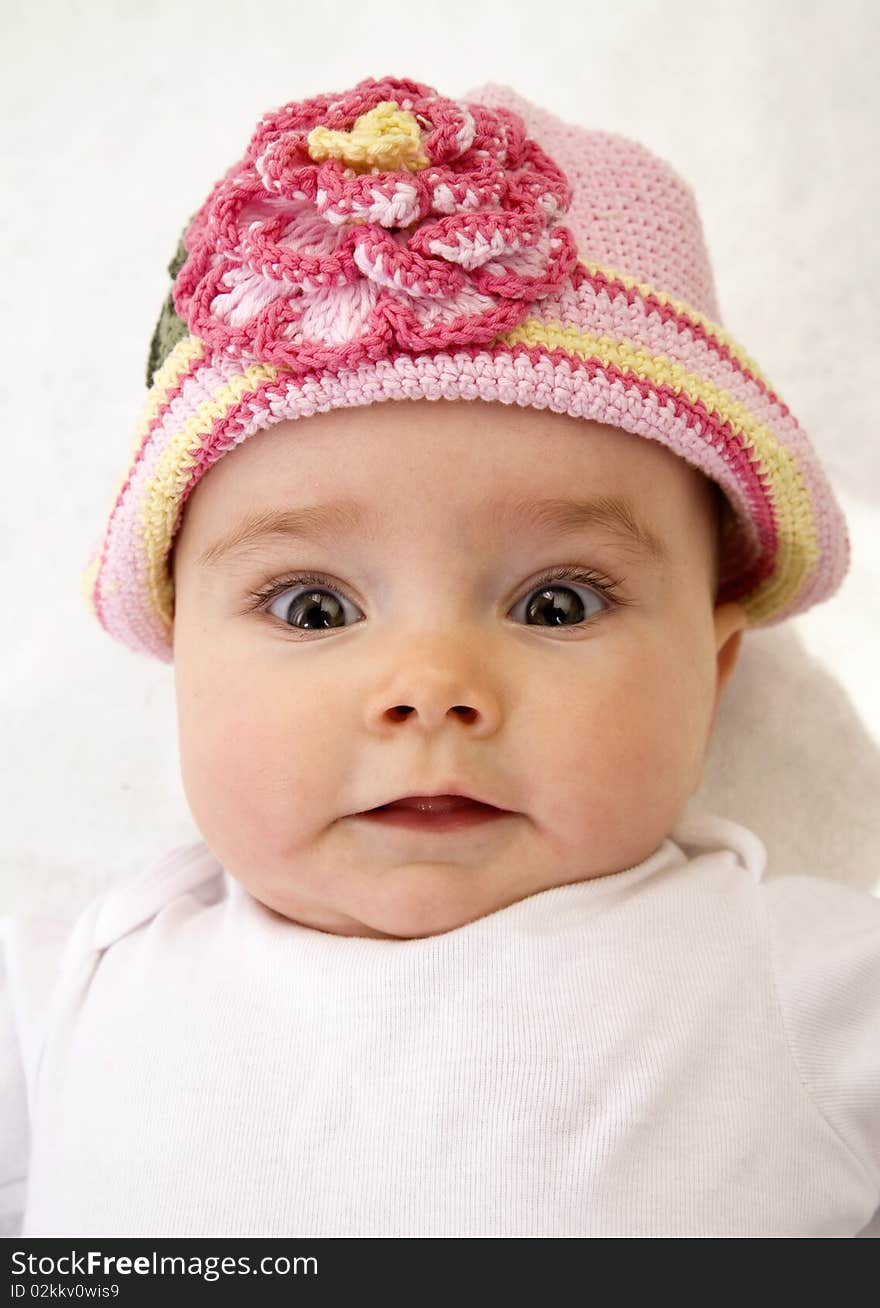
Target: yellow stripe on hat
<point x="164" y="491"/>
<point x="87" y="583"/>
<point x="687" y="310"/>
<point x="188" y="351"/>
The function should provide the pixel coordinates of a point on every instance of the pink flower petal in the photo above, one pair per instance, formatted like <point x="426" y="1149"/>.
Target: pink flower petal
<point x="249" y="295"/>
<point x="338" y="315"/>
<point x="310" y="263"/>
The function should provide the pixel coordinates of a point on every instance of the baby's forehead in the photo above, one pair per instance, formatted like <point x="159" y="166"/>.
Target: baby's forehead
<point x="455" y="464"/>
<point x="365" y="445"/>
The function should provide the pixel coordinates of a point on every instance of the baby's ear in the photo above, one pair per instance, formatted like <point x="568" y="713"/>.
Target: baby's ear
<point x="730" y="624"/>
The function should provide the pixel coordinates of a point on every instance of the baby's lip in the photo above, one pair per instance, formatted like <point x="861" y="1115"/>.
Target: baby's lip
<point x="436" y="804"/>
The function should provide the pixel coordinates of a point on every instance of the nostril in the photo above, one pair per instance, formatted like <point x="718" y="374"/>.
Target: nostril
<point x="404" y="710"/>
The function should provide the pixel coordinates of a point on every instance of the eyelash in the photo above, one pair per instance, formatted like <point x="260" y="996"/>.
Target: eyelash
<point x="609" y="589"/>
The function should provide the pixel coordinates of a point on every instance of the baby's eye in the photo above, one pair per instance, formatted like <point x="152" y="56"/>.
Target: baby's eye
<point x="314" y="607"/>
<point x="556" y="603"/>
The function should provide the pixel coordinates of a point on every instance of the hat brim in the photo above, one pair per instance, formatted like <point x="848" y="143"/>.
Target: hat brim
<point x="637" y="359"/>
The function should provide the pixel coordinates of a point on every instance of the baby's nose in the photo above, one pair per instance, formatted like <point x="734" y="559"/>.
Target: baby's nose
<point x="428" y="697"/>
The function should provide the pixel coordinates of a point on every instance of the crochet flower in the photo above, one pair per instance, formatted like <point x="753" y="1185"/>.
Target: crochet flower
<point x="385" y="218"/>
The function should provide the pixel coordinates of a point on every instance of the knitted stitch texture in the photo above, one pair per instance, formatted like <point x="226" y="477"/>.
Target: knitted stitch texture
<point x="388" y="243"/>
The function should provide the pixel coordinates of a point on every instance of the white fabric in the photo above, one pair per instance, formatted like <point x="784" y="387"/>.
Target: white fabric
<point x="680" y="1049"/>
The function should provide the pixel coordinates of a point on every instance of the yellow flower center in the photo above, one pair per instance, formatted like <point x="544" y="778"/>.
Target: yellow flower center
<point x="387" y="138"/>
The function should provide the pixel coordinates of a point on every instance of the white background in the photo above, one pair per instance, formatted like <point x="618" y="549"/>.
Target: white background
<point x="116" y="121"/>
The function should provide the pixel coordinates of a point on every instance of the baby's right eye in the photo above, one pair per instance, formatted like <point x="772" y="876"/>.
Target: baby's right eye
<point x="315" y="606"/>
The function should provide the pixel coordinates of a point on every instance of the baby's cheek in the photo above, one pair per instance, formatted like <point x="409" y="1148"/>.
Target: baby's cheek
<point x="665" y="716"/>
<point x="281" y="754"/>
<point x="630" y="725"/>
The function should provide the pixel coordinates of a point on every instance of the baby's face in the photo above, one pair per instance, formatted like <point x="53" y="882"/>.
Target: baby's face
<point x="430" y="655"/>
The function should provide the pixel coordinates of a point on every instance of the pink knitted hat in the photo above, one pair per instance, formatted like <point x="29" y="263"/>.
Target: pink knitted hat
<point x="388" y="243"/>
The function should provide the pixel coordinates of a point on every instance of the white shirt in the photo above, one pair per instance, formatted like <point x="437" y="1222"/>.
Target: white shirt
<point x="679" y="1049"/>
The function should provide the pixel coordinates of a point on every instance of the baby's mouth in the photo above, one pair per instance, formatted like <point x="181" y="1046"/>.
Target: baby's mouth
<point x="433" y="805"/>
<point x="434" y="812"/>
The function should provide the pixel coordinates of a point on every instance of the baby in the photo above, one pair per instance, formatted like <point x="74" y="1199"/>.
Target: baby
<point x="451" y="504"/>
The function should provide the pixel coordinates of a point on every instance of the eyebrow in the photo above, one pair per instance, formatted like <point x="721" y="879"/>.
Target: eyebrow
<point x="325" y="523"/>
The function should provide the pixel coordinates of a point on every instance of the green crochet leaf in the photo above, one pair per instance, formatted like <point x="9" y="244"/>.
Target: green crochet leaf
<point x="170" y="328"/>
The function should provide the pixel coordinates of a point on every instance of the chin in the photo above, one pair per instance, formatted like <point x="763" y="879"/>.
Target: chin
<point x="420" y="922"/>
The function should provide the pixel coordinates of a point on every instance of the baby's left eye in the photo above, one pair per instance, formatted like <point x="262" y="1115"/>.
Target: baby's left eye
<point x="555" y="605"/>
